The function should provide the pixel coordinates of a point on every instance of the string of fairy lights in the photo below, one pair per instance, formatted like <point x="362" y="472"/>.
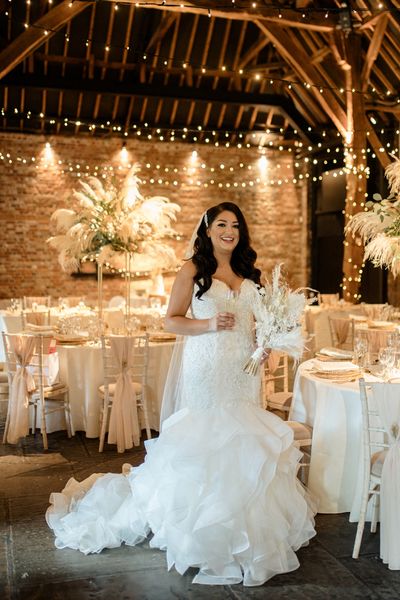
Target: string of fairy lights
<point x="226" y="138"/>
<point x="195" y="173"/>
<point x="140" y="56"/>
<point x="350" y="160"/>
<point x="305" y="12"/>
<point x="198" y="173"/>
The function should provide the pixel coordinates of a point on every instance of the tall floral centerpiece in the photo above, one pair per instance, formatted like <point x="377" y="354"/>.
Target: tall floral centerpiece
<point x="378" y="227"/>
<point x="114" y="223"/>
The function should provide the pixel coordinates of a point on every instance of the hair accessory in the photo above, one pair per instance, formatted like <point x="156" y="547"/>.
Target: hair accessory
<point x="206" y="218"/>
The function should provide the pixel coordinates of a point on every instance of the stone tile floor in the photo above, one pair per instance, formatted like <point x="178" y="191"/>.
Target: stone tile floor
<point x="32" y="569"/>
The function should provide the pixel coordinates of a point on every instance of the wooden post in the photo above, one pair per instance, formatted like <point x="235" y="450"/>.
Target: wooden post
<point x="356" y="163"/>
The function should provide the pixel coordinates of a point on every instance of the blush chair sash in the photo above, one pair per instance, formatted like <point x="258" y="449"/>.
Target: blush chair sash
<point x="124" y="427"/>
<point x="22" y="386"/>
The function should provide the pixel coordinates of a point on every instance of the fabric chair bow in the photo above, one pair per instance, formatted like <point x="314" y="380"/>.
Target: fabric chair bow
<point x="124" y="426"/>
<point x="22" y="386"/>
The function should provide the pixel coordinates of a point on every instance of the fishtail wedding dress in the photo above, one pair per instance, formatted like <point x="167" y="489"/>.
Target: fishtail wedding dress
<point x="218" y="489"/>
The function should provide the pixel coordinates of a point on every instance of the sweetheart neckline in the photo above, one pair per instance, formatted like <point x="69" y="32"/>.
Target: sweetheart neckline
<point x="228" y="286"/>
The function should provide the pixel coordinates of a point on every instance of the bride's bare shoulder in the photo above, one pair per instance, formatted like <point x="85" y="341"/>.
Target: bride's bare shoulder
<point x="187" y="271"/>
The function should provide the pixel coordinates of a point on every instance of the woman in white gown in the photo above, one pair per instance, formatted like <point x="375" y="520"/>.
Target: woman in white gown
<point x="218" y="488"/>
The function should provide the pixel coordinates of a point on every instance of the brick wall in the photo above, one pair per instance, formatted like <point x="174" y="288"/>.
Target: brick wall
<point x="30" y="191"/>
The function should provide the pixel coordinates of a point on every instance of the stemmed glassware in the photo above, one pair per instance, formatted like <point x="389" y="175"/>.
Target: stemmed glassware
<point x="230" y="300"/>
<point x="360" y="352"/>
<point x="387" y="357"/>
<point x="231" y="297"/>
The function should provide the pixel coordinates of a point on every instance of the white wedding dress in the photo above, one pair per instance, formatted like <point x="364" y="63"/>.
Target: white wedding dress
<point x="218" y="488"/>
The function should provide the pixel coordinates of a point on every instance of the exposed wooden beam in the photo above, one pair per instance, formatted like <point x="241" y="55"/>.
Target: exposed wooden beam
<point x="296" y="56"/>
<point x="389" y="108"/>
<point x="370" y="22"/>
<point x="265" y="102"/>
<point x="187" y="72"/>
<point x="172" y="47"/>
<point x="356" y="180"/>
<point x="236" y="81"/>
<point x="252" y="52"/>
<point x="161" y="30"/>
<point x="373" y="50"/>
<point x="35" y="36"/>
<point x="319" y="55"/>
<point x="288" y="17"/>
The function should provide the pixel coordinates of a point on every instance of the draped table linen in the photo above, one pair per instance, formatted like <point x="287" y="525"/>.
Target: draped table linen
<point x="334" y="412"/>
<point x="81" y="369"/>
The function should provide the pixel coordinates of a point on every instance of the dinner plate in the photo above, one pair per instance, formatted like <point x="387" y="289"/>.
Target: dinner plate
<point x="162" y="336"/>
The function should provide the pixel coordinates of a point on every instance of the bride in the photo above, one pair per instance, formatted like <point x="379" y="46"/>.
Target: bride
<point x="218" y="489"/>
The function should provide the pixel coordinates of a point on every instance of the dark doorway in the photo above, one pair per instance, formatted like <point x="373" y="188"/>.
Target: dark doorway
<point x="328" y="201"/>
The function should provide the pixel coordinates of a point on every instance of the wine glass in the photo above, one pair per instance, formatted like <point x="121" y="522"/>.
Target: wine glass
<point x="360" y="352"/>
<point x="386" y="358"/>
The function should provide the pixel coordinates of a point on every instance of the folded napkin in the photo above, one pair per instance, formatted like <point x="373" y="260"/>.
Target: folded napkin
<point x="333" y="366"/>
<point x="66" y="337"/>
<point x="336" y="352"/>
<point x="381" y="324"/>
<point x="360" y="318"/>
<point x="39" y="328"/>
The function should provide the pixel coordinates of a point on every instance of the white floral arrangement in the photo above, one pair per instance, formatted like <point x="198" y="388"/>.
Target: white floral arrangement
<point x="114" y="220"/>
<point x="379" y="225"/>
<point x="278" y="321"/>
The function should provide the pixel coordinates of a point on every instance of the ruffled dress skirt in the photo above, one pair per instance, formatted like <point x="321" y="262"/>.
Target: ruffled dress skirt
<point x="217" y="491"/>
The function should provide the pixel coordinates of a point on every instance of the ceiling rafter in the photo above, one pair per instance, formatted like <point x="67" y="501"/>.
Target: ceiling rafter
<point x="33" y="37"/>
<point x="300" y="62"/>
<point x="288" y="17"/>
<point x="146" y="91"/>
<point x="159" y="33"/>
<point x="221" y="61"/>
<point x="373" y="50"/>
<point x="253" y="51"/>
<point x="189" y="71"/>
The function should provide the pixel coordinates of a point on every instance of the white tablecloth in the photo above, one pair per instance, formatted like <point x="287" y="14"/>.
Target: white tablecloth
<point x="82" y="370"/>
<point x="334" y="412"/>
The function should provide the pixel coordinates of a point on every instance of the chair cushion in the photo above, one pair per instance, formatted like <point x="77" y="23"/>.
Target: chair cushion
<point x="136" y="386"/>
<point x="280" y="400"/>
<point x="301" y="431"/>
<point x="377" y="461"/>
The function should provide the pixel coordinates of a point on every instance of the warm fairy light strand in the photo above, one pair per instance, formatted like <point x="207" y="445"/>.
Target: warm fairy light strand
<point x="161" y="175"/>
<point x="183" y="64"/>
<point x="191" y="135"/>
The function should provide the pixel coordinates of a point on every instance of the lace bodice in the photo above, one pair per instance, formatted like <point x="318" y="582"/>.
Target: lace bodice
<point x="212" y="368"/>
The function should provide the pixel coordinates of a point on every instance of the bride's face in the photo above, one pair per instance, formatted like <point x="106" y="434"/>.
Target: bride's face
<point x="224" y="232"/>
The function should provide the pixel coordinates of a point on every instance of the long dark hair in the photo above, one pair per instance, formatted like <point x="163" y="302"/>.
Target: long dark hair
<point x="243" y="256"/>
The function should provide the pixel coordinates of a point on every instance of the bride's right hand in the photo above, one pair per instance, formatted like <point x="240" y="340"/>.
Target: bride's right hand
<point x="222" y="321"/>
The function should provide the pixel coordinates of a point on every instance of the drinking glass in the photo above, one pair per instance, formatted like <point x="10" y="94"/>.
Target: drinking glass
<point x="230" y="300"/>
<point x="360" y="352"/>
<point x="386" y="358"/>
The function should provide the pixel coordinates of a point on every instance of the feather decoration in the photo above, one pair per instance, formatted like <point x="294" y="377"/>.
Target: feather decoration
<point x="63" y="219"/>
<point x="392" y="173"/>
<point x="112" y="221"/>
<point x="379" y="227"/>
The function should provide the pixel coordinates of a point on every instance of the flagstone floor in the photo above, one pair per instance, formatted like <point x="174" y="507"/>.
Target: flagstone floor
<point x="32" y="569"/>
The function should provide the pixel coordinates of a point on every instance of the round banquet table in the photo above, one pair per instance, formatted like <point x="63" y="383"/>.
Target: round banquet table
<point x="81" y="369"/>
<point x="334" y="412"/>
